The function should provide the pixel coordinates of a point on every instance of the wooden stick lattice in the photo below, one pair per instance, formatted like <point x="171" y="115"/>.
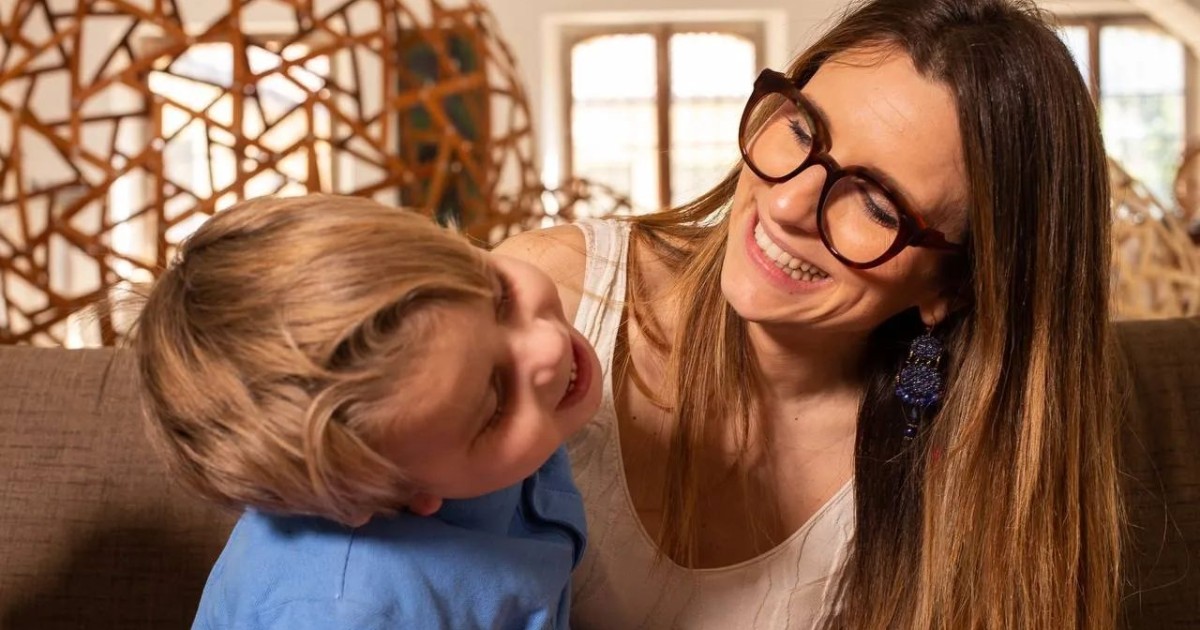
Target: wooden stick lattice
<point x="1187" y="191"/>
<point x="413" y="103"/>
<point x="1156" y="268"/>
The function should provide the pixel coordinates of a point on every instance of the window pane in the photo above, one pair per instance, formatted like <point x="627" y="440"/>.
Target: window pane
<point x="614" y="128"/>
<point x="1142" y="102"/>
<point x="1076" y="39"/>
<point x="711" y="78"/>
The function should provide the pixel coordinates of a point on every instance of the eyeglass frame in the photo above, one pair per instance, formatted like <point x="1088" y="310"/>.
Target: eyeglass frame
<point x="912" y="229"/>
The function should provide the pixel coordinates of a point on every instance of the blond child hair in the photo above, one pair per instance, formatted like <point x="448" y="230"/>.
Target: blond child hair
<point x="270" y="349"/>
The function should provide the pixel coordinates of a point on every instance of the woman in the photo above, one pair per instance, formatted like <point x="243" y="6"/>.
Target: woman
<point x="930" y="173"/>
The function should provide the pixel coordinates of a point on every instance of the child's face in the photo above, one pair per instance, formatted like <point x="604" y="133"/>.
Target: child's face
<point x="496" y="388"/>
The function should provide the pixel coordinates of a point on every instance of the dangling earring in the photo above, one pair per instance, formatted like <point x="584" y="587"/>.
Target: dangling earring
<point x="919" y="383"/>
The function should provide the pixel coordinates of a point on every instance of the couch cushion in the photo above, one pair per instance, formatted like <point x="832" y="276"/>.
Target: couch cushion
<point x="94" y="535"/>
<point x="1161" y="462"/>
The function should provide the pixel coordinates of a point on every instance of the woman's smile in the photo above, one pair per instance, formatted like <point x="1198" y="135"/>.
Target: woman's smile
<point x="781" y="267"/>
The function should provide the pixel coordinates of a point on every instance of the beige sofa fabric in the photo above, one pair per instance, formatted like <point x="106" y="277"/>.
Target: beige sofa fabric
<point x="94" y="535"/>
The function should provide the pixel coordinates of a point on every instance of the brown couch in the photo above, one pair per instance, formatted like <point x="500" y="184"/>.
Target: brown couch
<point x="93" y="535"/>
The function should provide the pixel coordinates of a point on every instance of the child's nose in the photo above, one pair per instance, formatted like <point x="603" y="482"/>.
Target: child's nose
<point x="549" y="349"/>
<point x="549" y="306"/>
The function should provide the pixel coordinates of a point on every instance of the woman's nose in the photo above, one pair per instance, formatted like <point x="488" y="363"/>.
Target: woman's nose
<point x="793" y="204"/>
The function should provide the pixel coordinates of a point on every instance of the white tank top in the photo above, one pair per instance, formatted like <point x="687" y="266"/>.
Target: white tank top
<point x="620" y="585"/>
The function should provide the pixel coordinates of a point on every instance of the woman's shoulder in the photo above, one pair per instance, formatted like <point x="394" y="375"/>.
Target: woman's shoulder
<point x="560" y="252"/>
<point x="547" y="247"/>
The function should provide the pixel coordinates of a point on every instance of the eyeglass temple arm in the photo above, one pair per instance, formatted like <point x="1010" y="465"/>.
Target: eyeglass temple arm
<point x="934" y="239"/>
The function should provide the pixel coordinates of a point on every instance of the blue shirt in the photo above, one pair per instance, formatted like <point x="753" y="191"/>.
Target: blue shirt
<point x="502" y="560"/>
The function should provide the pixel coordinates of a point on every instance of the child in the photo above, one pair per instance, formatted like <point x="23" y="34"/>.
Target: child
<point x="386" y="402"/>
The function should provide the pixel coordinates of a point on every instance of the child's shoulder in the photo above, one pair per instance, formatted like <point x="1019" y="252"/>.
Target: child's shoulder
<point x="293" y="556"/>
<point x="491" y="561"/>
<point x="469" y="563"/>
<point x="275" y="568"/>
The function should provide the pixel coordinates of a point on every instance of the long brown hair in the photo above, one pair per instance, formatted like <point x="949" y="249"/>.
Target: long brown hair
<point x="271" y="350"/>
<point x="1005" y="512"/>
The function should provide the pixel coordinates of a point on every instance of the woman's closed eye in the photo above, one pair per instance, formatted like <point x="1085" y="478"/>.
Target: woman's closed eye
<point x="801" y="133"/>
<point x="877" y="207"/>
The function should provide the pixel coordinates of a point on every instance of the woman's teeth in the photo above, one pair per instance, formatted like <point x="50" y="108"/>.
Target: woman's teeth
<point x="794" y="267"/>
<point x="574" y="375"/>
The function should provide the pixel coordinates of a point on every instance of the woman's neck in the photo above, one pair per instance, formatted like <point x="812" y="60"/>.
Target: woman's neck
<point x="799" y="365"/>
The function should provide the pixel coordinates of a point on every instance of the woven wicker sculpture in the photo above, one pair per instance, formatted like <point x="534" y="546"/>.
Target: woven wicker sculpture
<point x="1187" y="191"/>
<point x="419" y="106"/>
<point x="171" y="110"/>
<point x="1156" y="268"/>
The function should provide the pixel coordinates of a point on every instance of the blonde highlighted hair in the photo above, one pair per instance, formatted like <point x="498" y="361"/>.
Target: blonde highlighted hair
<point x="270" y="351"/>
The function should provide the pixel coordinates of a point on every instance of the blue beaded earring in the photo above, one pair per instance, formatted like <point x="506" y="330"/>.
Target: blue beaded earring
<point x="919" y="383"/>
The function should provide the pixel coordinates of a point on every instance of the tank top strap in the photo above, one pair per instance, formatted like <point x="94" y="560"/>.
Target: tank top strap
<point x="599" y="315"/>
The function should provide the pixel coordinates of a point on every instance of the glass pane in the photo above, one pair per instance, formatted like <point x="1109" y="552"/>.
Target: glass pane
<point x="1076" y="39"/>
<point x="1142" y="102"/>
<point x="711" y="77"/>
<point x="614" y="128"/>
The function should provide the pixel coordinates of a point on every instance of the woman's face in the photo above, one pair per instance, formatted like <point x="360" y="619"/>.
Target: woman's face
<point x="882" y="114"/>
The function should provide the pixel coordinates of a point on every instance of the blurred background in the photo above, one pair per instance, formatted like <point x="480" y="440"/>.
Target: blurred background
<point x="124" y="124"/>
<point x="590" y="63"/>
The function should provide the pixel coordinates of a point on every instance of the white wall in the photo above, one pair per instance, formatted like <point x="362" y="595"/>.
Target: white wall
<point x="1077" y="7"/>
<point x="532" y="29"/>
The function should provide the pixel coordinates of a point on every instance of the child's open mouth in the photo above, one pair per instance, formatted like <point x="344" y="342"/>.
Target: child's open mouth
<point x="580" y="374"/>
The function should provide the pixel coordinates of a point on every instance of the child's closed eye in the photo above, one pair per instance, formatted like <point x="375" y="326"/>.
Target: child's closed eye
<point x="504" y="296"/>
<point x="501" y="402"/>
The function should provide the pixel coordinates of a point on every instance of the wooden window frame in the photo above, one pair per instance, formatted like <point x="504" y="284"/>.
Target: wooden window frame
<point x="1094" y="23"/>
<point x="755" y="32"/>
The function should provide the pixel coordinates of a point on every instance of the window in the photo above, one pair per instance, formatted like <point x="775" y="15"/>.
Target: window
<point x="653" y="111"/>
<point x="1138" y="75"/>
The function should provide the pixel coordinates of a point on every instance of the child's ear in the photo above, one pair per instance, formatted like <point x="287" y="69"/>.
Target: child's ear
<point x="424" y="504"/>
<point x="358" y="521"/>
